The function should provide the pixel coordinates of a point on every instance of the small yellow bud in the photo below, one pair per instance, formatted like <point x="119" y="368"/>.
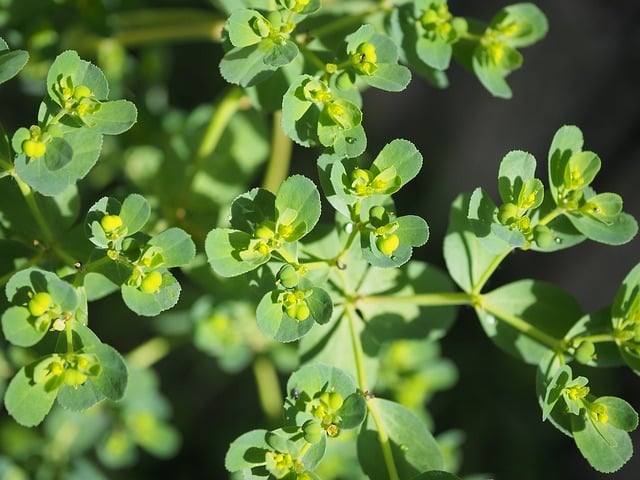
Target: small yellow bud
<point x="388" y="244"/>
<point x="34" y="148"/>
<point x="151" y="282"/>
<point x="39" y="304"/>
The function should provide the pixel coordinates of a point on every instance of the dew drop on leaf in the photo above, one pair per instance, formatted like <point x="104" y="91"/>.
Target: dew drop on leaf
<point x="491" y="320"/>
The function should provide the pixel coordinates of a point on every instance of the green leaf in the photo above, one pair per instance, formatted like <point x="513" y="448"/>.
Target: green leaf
<point x="492" y="235"/>
<point x="79" y="398"/>
<point x="403" y="156"/>
<point x="347" y="143"/>
<point x="279" y="54"/>
<point x="554" y="389"/>
<point x="112" y="118"/>
<point x="320" y="305"/>
<point x="521" y="24"/>
<point x="413" y="448"/>
<point x="21" y="328"/>
<point x="516" y="168"/>
<point x="69" y="65"/>
<point x="223" y="247"/>
<point x="289" y="440"/>
<point x="134" y="212"/>
<point x="491" y="76"/>
<point x="597" y="323"/>
<point x="177" y="247"/>
<point x="388" y="74"/>
<point x="337" y="119"/>
<point x="245" y="66"/>
<point x="246" y="451"/>
<point x="566" y="141"/>
<point x="67" y="160"/>
<point x="402" y="28"/>
<point x="112" y="379"/>
<point x="618" y="231"/>
<point x="11" y="62"/>
<point x="37" y="280"/>
<point x="565" y="235"/>
<point x="546" y="312"/>
<point x="298" y="206"/>
<point x="241" y="32"/>
<point x="275" y="323"/>
<point x="151" y="304"/>
<point x="331" y="345"/>
<point x="620" y="413"/>
<point x="389" y="320"/>
<point x="252" y="209"/>
<point x="26" y="401"/>
<point x="302" y="8"/>
<point x="465" y="256"/>
<point x="434" y="52"/>
<point x="605" y="447"/>
<point x="312" y="379"/>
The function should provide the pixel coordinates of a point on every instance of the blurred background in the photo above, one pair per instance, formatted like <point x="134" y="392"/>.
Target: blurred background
<point x="585" y="72"/>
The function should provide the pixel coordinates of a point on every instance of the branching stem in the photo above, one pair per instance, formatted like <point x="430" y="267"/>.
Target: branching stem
<point x="491" y="268"/>
<point x="423" y="299"/>
<point x="522" y="326"/>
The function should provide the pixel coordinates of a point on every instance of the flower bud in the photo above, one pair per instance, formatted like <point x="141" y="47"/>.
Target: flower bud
<point x="39" y="304"/>
<point x="151" y="282"/>
<point x="388" y="244"/>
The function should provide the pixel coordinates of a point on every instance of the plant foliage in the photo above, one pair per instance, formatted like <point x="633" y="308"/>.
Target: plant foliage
<point x="313" y="276"/>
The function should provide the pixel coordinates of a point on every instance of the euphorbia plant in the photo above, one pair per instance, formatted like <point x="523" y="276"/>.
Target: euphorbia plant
<point x="311" y="275"/>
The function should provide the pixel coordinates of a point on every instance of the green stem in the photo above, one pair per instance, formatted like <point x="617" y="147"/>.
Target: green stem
<point x="149" y="352"/>
<point x="144" y="27"/>
<point x="268" y="386"/>
<point x="229" y="104"/>
<point x="357" y="349"/>
<point x="556" y="212"/>
<point x="484" y="278"/>
<point x="280" y="158"/>
<point x="385" y="444"/>
<point x="598" y="338"/>
<point x="342" y="23"/>
<point x="423" y="299"/>
<point x="521" y="325"/>
<point x="30" y="199"/>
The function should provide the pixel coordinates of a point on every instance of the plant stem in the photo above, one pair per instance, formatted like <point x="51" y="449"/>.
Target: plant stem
<point x="484" y="278"/>
<point x="423" y="299"/>
<point x="280" y="158"/>
<point x="385" y="445"/>
<point x="342" y="23"/>
<point x="268" y="386"/>
<point x="141" y="27"/>
<point x="149" y="352"/>
<point x="32" y="203"/>
<point x="521" y="325"/>
<point x="40" y="219"/>
<point x="550" y="216"/>
<point x="357" y="348"/>
<point x="227" y="107"/>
